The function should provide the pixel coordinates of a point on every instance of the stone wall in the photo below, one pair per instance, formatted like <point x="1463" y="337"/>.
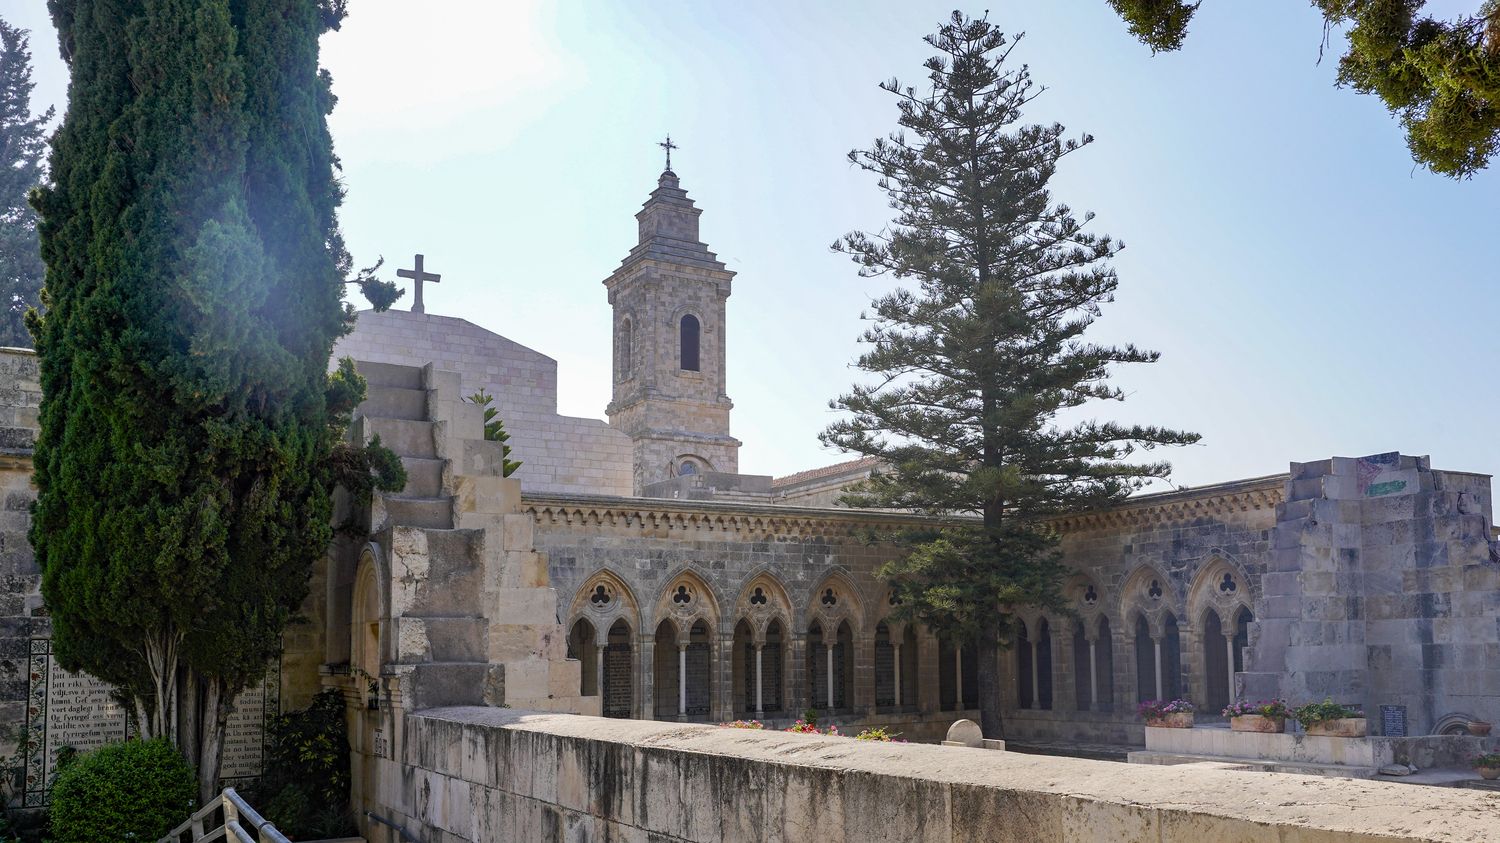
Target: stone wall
<point x="21" y="614"/>
<point x="558" y="453"/>
<point x="483" y="775"/>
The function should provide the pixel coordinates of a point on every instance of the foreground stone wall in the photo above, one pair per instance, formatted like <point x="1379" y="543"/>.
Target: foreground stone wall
<point x="492" y="775"/>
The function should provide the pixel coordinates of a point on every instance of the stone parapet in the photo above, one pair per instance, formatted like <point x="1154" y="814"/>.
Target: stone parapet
<point x="474" y="774"/>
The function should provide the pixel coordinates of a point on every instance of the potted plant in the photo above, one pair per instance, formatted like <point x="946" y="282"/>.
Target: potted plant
<point x="1262" y="716"/>
<point x="1488" y="765"/>
<point x="1480" y="728"/>
<point x="1167" y="714"/>
<point x="1332" y="720"/>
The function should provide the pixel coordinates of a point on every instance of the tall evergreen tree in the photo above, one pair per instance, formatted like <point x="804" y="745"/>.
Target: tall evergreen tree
<point x="23" y="149"/>
<point x="1441" y="78"/>
<point x="195" y="273"/>
<point x="982" y="361"/>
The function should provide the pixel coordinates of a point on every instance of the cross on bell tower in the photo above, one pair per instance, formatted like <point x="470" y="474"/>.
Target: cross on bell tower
<point x="418" y="276"/>
<point x="669" y="146"/>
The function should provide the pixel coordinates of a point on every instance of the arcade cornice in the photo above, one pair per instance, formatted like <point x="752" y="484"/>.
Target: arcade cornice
<point x="671" y="515"/>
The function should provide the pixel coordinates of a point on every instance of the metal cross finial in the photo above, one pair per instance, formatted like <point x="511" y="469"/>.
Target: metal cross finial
<point x="669" y="146"/>
<point x="418" y="276"/>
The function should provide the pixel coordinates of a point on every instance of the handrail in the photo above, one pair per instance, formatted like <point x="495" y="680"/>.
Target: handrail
<point x="235" y="809"/>
<point x="401" y="831"/>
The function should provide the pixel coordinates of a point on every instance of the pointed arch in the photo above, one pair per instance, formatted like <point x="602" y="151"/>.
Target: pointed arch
<point x="369" y="616"/>
<point x="604" y="597"/>
<point x="762" y="599"/>
<point x="1147" y="591"/>
<point x="685" y="599"/>
<point x="836" y="598"/>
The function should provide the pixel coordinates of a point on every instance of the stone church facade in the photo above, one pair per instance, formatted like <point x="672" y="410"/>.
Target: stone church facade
<point x="691" y="591"/>
<point x="630" y="569"/>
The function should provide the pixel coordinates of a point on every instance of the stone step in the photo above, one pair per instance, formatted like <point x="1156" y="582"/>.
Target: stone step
<point x="424" y="477"/>
<point x="461" y="639"/>
<point x="394" y="402"/>
<point x="406" y="437"/>
<point x="456" y="683"/>
<point x="389" y="374"/>
<point x="433" y="513"/>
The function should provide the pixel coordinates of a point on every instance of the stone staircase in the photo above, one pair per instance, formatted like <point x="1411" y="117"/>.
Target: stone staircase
<point x="441" y="629"/>
<point x="472" y="618"/>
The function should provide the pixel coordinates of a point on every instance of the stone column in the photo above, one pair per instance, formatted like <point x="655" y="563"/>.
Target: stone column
<point x="1156" y="642"/>
<point x="646" y="676"/>
<point x="599" y="671"/>
<point x="1036" y="685"/>
<point x="759" y="686"/>
<point x="897" y="648"/>
<point x="828" y="682"/>
<point x="1093" y="675"/>
<point x="958" y="676"/>
<point x="1229" y="664"/>
<point x="682" y="680"/>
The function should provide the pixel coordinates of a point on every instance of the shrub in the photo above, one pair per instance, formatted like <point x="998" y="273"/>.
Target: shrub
<point x="305" y="789"/>
<point x="1157" y="709"/>
<point x="137" y="790"/>
<point x="878" y="733"/>
<point x="1264" y="708"/>
<point x="805" y="727"/>
<point x="1313" y="713"/>
<point x="1490" y="759"/>
<point x="744" y="724"/>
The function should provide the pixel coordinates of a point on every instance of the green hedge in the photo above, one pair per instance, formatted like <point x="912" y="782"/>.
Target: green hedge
<point x="138" y="790"/>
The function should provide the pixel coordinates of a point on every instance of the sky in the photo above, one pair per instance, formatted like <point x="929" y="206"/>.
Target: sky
<point x="1312" y="292"/>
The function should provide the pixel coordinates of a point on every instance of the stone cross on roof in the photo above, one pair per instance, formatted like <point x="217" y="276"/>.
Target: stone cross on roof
<point x="418" y="276"/>
<point x="669" y="146"/>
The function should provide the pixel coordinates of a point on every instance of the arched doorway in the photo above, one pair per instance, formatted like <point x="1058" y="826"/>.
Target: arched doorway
<point x="1171" y="658"/>
<point x="772" y="654"/>
<point x="699" y="666"/>
<point x="908" y="660"/>
<point x="1025" y="676"/>
<point x="581" y="646"/>
<point x="885" y="667"/>
<point x="668" y="690"/>
<point x="1084" y="683"/>
<point x="1216" y="666"/>
<point x="619" y="687"/>
<point x="1145" y="662"/>
<point x="742" y="669"/>
<point x="1104" y="664"/>
<point x="1044" y="664"/>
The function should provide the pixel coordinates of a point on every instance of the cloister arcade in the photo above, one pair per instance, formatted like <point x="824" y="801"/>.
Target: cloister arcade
<point x="689" y="653"/>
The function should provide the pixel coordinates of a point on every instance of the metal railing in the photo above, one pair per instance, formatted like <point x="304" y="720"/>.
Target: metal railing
<point x="227" y="818"/>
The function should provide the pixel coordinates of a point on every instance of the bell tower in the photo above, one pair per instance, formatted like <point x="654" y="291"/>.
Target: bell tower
<point x="668" y="297"/>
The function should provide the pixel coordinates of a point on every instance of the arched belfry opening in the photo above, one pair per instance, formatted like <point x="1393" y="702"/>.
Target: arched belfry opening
<point x="689" y="336"/>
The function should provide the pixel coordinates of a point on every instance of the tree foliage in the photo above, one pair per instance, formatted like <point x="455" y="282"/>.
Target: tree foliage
<point x="195" y="280"/>
<point x="23" y="150"/>
<point x="1441" y="78"/>
<point x="494" y="429"/>
<point x="983" y="354"/>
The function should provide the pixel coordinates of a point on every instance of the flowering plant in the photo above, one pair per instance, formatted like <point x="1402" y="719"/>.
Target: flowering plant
<point x="806" y="728"/>
<point x="879" y="733"/>
<point x="1491" y="759"/>
<point x="1265" y="708"/>
<point x="1312" y="713"/>
<point x="1157" y="709"/>
<point x="744" y="724"/>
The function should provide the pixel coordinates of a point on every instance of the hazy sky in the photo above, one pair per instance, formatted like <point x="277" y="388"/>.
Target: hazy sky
<point x="1312" y="293"/>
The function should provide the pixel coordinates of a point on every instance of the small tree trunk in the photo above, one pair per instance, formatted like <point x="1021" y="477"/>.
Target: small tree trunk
<point x="161" y="661"/>
<point x="189" y="725"/>
<point x="990" y="691"/>
<point x="213" y="720"/>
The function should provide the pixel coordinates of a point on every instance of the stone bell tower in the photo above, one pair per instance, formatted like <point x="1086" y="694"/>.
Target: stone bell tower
<point x="668" y="298"/>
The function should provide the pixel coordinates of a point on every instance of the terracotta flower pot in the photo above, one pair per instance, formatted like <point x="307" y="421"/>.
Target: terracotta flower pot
<point x="1257" y="723"/>
<point x="1479" y="728"/>
<point x="1174" y="720"/>
<point x="1344" y="727"/>
<point x="1491" y="773"/>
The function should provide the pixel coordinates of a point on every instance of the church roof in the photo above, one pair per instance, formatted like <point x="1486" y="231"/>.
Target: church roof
<point x="855" y="466"/>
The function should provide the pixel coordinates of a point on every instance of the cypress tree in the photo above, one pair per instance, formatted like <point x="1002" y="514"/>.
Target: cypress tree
<point x="195" y="275"/>
<point x="23" y="149"/>
<point x="982" y="361"/>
